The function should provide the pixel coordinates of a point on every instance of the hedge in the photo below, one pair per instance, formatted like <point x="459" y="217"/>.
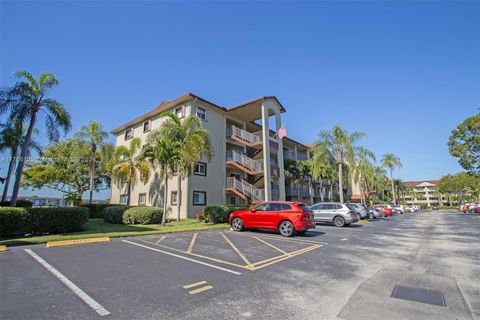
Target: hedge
<point x="115" y="214"/>
<point x="220" y="214"/>
<point x="143" y="215"/>
<point x="12" y="220"/>
<point x="20" y="203"/>
<point x="96" y="209"/>
<point x="56" y="219"/>
<point x="42" y="220"/>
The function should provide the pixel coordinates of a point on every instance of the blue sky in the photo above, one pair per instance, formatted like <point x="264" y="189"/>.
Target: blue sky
<point x="404" y="72"/>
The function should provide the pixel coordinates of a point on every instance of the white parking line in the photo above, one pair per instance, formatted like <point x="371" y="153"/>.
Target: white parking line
<point x="182" y="257"/>
<point x="79" y="292"/>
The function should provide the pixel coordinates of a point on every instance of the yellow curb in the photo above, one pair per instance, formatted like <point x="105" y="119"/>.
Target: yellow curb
<point x="3" y="248"/>
<point x="363" y="222"/>
<point x="77" y="241"/>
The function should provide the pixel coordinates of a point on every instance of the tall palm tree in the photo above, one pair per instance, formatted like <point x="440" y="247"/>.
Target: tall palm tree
<point x="24" y="101"/>
<point x="340" y="145"/>
<point x="323" y="168"/>
<point x="363" y="176"/>
<point x="390" y="161"/>
<point x="163" y="153"/>
<point x="11" y="138"/>
<point x="292" y="171"/>
<point x="127" y="167"/>
<point x="94" y="134"/>
<point x="195" y="144"/>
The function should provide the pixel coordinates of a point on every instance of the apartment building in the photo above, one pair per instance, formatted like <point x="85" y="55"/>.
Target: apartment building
<point x="426" y="192"/>
<point x="247" y="165"/>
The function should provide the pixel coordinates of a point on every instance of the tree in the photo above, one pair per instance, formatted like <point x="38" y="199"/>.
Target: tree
<point x="340" y="145"/>
<point x="390" y="161"/>
<point x="464" y="144"/>
<point x="323" y="168"/>
<point x="127" y="167"/>
<point x="460" y="184"/>
<point x="11" y="138"/>
<point x="24" y="101"/>
<point x="94" y="134"/>
<point x="63" y="166"/>
<point x="194" y="143"/>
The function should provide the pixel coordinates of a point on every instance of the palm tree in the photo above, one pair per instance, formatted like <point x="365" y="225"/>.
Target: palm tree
<point x="165" y="153"/>
<point x="323" y="168"/>
<point x="292" y="171"/>
<point x="94" y="134"/>
<point x="340" y="145"/>
<point x="195" y="144"/>
<point x="11" y="138"/>
<point x="24" y="101"/>
<point x="391" y="162"/>
<point x="126" y="167"/>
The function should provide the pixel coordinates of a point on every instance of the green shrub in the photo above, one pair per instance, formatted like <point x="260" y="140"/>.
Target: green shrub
<point x="220" y="214"/>
<point x="55" y="219"/>
<point x="96" y="209"/>
<point x="115" y="214"/>
<point x="143" y="215"/>
<point x="12" y="220"/>
<point x="20" y="203"/>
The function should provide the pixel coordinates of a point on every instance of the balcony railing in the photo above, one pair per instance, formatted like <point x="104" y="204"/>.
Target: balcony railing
<point x="253" y="165"/>
<point x="294" y="191"/>
<point x="253" y="138"/>
<point x="246" y="188"/>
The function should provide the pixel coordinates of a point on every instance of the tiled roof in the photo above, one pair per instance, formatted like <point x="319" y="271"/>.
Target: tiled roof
<point x="416" y="183"/>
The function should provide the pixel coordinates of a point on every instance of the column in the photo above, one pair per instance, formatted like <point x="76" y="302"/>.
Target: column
<point x="281" y="178"/>
<point x="266" y="155"/>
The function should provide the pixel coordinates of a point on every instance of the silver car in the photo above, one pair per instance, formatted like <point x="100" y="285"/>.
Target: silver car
<point x="360" y="210"/>
<point x="334" y="212"/>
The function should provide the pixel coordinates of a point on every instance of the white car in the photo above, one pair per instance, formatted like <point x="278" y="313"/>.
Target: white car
<point x="409" y="208"/>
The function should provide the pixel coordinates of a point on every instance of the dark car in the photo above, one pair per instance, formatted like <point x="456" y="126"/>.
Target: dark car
<point x="435" y="206"/>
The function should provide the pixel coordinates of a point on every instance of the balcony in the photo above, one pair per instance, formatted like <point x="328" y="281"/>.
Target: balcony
<point x="294" y="191"/>
<point x="292" y="156"/>
<point x="241" y="161"/>
<point x="248" y="138"/>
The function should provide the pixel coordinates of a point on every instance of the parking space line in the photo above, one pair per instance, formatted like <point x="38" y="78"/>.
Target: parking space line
<point x="344" y="239"/>
<point x="196" y="284"/>
<point x="181" y="257"/>
<point x="289" y="256"/>
<point x="159" y="240"/>
<point x="190" y="247"/>
<point x="295" y="240"/>
<point x="249" y="264"/>
<point x="198" y="255"/>
<point x="270" y="245"/>
<point x="76" y="290"/>
<point x="200" y="290"/>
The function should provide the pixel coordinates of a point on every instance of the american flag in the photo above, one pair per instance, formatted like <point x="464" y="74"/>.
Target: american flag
<point x="282" y="132"/>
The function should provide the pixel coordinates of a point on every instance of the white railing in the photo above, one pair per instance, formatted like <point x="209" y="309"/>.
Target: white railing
<point x="253" y="138"/>
<point x="254" y="165"/>
<point x="246" y="188"/>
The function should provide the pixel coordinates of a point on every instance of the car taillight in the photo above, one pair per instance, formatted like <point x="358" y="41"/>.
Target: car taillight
<point x="350" y="213"/>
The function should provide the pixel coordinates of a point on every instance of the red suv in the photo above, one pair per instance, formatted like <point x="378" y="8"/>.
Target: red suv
<point x="386" y="210"/>
<point x="285" y="217"/>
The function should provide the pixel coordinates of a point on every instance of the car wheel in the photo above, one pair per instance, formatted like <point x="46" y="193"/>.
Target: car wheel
<point x="359" y="216"/>
<point x="371" y="216"/>
<point x="237" y="224"/>
<point x="339" y="222"/>
<point x="286" y="229"/>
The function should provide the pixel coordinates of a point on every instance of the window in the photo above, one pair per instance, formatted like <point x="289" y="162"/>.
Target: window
<point x="179" y="112"/>
<point x="124" y="199"/>
<point x="200" y="169"/>
<point x="318" y="206"/>
<point x="142" y="199"/>
<point x="286" y="207"/>
<point x="199" y="198"/>
<point x="146" y="126"/>
<point x="261" y="207"/>
<point x="201" y="113"/>
<point x="274" y="207"/>
<point x="128" y="134"/>
<point x="174" y="198"/>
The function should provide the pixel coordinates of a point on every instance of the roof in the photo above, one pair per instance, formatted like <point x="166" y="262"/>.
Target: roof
<point x="416" y="183"/>
<point x="165" y="105"/>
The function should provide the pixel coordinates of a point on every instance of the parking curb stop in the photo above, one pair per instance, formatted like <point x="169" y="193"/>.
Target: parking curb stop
<point x="3" y="248"/>
<point x="76" y="241"/>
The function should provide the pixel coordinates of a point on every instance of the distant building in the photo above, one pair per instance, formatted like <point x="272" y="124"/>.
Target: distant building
<point x="425" y="192"/>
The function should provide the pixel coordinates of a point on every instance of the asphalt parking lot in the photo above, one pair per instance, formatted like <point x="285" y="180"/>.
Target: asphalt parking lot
<point x="329" y="273"/>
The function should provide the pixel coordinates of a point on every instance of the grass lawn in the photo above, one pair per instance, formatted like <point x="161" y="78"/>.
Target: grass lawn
<point x="99" y="228"/>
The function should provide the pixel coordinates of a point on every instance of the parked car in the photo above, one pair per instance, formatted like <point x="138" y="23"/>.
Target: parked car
<point x="284" y="217"/>
<point x="435" y="206"/>
<point x="374" y="213"/>
<point x="397" y="208"/>
<point x="387" y="210"/>
<point x="410" y="209"/>
<point x="339" y="214"/>
<point x="359" y="209"/>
